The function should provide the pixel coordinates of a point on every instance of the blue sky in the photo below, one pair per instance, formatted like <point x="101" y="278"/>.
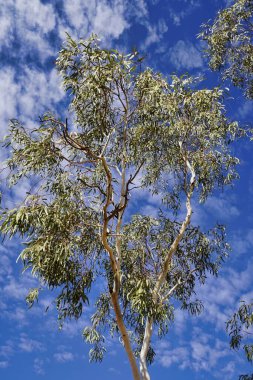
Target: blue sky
<point x="31" y="34"/>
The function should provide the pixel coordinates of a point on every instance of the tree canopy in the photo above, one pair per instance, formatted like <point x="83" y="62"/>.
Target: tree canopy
<point x="239" y="327"/>
<point x="230" y="50"/>
<point x="130" y="130"/>
<point x="230" y="44"/>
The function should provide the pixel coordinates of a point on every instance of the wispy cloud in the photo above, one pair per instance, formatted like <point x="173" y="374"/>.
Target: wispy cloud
<point x="7" y="349"/>
<point x="185" y="55"/>
<point x="5" y="267"/>
<point x="222" y="207"/>
<point x="4" y="364"/>
<point x="63" y="357"/>
<point x="178" y="16"/>
<point x="28" y="95"/>
<point x="73" y="328"/>
<point x="245" y="110"/>
<point x="155" y="33"/>
<point x="14" y="290"/>
<point x="203" y="353"/>
<point x="18" y="315"/>
<point x="38" y="366"/>
<point x="179" y="356"/>
<point x="206" y="354"/>
<point x="114" y="370"/>
<point x="242" y="242"/>
<point x="11" y="91"/>
<point x="104" y="18"/>
<point x="17" y="288"/>
<point x="27" y="344"/>
<point x="221" y="296"/>
<point x="32" y="22"/>
<point x="138" y="9"/>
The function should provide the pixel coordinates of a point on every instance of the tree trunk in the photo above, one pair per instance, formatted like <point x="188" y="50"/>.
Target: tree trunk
<point x="144" y="350"/>
<point x="125" y="337"/>
<point x="164" y="271"/>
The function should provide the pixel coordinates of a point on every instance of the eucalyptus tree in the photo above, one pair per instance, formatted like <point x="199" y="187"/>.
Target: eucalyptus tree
<point x="230" y="49"/>
<point x="239" y="328"/>
<point x="132" y="133"/>
<point x="230" y="44"/>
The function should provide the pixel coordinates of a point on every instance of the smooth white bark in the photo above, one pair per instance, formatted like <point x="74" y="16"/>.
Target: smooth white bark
<point x="164" y="271"/>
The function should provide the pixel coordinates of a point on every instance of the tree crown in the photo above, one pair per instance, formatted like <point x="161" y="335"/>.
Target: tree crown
<point x="131" y="128"/>
<point x="229" y="44"/>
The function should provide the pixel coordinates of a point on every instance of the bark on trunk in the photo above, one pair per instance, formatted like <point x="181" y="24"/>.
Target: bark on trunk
<point x="164" y="271"/>
<point x="125" y="337"/>
<point x="144" y="350"/>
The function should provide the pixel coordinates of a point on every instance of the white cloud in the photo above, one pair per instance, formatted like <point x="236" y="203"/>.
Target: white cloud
<point x="221" y="207"/>
<point x="35" y="15"/>
<point x="32" y="22"/>
<point x="114" y="370"/>
<point x="11" y="91"/>
<point x="35" y="21"/>
<point x="38" y="366"/>
<point x="63" y="357"/>
<point x="246" y="109"/>
<point x="4" y="364"/>
<point x="78" y="16"/>
<point x="7" y="350"/>
<point x="22" y="344"/>
<point x="138" y="10"/>
<point x="39" y="91"/>
<point x="39" y="42"/>
<point x="221" y="295"/>
<point x="3" y="306"/>
<point x="46" y="302"/>
<point x="155" y="33"/>
<point x="228" y="2"/>
<point x="5" y="267"/>
<point x="205" y="356"/>
<point x="18" y="287"/>
<point x="180" y="322"/>
<point x="6" y="23"/>
<point x="27" y="344"/>
<point x="109" y="20"/>
<point x="179" y="356"/>
<point x="242" y="242"/>
<point x="74" y="328"/>
<point x="229" y="370"/>
<point x="149" y="210"/>
<point x="14" y="290"/>
<point x="18" y="315"/>
<point x="203" y="352"/>
<point x="28" y="95"/>
<point x="184" y="55"/>
<point x="178" y="16"/>
<point x="106" y="19"/>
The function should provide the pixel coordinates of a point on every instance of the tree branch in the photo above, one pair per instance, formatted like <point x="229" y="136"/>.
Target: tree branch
<point x="164" y="271"/>
<point x="144" y="349"/>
